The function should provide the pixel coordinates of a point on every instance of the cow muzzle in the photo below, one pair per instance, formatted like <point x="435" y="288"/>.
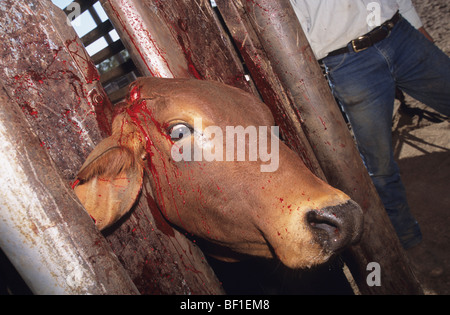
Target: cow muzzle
<point x="335" y="227"/>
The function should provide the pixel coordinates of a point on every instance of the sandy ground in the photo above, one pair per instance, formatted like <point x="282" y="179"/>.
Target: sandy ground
<point x="422" y="147"/>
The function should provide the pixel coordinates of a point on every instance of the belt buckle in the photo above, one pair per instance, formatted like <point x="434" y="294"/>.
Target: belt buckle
<point x="390" y="26"/>
<point x="355" y="49"/>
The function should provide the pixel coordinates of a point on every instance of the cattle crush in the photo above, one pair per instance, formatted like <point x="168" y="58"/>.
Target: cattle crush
<point x="54" y="110"/>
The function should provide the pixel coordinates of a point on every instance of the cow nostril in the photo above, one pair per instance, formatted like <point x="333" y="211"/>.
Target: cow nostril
<point x="336" y="226"/>
<point x="326" y="226"/>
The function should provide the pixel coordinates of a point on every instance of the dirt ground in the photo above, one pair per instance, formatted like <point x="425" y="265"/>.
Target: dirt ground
<point x="422" y="148"/>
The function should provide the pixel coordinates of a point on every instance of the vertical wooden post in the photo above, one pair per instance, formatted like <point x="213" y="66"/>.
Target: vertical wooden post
<point x="47" y="99"/>
<point x="180" y="39"/>
<point x="283" y="41"/>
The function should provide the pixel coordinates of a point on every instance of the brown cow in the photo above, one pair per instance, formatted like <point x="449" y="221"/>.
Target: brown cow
<point x="288" y="212"/>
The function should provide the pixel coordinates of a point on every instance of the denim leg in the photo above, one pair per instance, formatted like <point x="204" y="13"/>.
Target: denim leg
<point x="365" y="88"/>
<point x="421" y="69"/>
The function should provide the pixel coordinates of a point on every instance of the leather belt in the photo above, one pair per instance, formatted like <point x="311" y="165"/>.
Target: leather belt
<point x="376" y="35"/>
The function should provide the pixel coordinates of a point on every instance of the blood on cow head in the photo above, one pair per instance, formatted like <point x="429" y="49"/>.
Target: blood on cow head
<point x="288" y="213"/>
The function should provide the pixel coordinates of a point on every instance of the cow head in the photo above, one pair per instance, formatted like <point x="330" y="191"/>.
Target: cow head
<point x="286" y="212"/>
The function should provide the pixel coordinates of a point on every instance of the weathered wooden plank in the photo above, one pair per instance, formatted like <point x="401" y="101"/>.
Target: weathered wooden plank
<point x="177" y="39"/>
<point x="47" y="105"/>
<point x="46" y="70"/>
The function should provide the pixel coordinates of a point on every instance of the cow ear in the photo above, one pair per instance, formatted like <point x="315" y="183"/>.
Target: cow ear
<point x="110" y="181"/>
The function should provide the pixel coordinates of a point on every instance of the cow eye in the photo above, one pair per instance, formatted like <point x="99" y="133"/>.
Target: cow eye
<point x="179" y="131"/>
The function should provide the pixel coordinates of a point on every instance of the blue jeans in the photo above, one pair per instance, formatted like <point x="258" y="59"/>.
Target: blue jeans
<point x="364" y="84"/>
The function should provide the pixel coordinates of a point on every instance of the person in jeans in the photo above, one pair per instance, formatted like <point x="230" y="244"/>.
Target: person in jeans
<point x="370" y="48"/>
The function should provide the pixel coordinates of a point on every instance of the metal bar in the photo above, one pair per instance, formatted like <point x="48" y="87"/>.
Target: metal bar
<point x="118" y="71"/>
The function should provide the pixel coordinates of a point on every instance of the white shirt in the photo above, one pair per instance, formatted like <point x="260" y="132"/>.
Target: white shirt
<point x="332" y="24"/>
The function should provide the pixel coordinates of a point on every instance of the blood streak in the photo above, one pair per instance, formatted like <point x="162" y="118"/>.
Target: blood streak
<point x="139" y="113"/>
<point x="142" y="40"/>
<point x="135" y="93"/>
<point x="101" y="104"/>
<point x="160" y="222"/>
<point x="191" y="67"/>
<point x="82" y="60"/>
<point x="75" y="183"/>
<point x="258" y="5"/>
